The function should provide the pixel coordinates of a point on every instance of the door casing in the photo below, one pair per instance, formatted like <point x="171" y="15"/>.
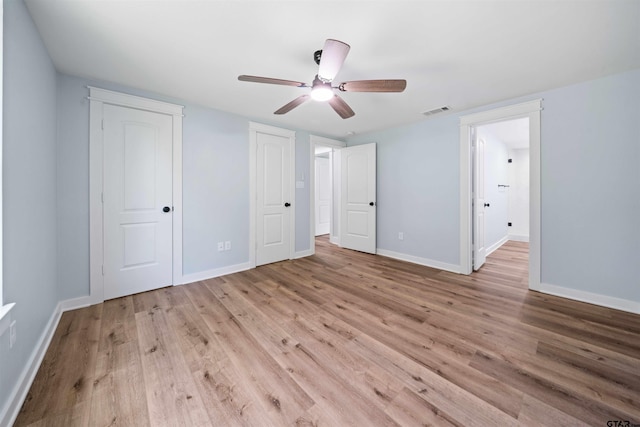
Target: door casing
<point x="97" y="98"/>
<point x="531" y="110"/>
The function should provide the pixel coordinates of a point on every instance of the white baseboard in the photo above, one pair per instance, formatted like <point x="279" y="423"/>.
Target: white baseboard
<point x="303" y="254"/>
<point x="491" y="249"/>
<point x="216" y="272"/>
<point x="518" y="238"/>
<point x="591" y="298"/>
<point x="19" y="393"/>
<point x="75" y="303"/>
<point x="421" y="261"/>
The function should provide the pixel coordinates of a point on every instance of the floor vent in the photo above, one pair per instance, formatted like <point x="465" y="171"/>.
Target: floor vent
<point x="436" y="111"/>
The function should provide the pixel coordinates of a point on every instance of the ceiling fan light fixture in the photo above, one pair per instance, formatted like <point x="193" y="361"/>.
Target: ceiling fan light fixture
<point x="321" y="94"/>
<point x="321" y="91"/>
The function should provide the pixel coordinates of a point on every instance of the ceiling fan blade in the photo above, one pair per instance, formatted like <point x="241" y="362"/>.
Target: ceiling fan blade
<point x="334" y="53"/>
<point x="293" y="104"/>
<point x="257" y="79"/>
<point x="373" y="86"/>
<point x="341" y="107"/>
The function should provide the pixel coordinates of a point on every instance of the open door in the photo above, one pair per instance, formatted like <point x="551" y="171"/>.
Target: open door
<point x="479" y="205"/>
<point x="358" y="198"/>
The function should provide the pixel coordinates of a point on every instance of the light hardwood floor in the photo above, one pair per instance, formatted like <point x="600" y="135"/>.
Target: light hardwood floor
<point x="342" y="339"/>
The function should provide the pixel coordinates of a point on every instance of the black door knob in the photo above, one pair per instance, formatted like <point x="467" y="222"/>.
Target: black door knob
<point x="286" y="205"/>
<point x="486" y="205"/>
<point x="166" y="209"/>
<point x="371" y="204"/>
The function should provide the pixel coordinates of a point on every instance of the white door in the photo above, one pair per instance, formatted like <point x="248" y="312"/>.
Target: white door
<point x="358" y="198"/>
<point x="137" y="196"/>
<point x="479" y="204"/>
<point x="323" y="195"/>
<point x="274" y="198"/>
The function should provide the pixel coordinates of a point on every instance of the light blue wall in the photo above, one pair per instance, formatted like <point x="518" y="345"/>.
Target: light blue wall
<point x="418" y="187"/>
<point x="215" y="185"/>
<point x="590" y="158"/>
<point x="29" y="191"/>
<point x="215" y="189"/>
<point x="590" y="186"/>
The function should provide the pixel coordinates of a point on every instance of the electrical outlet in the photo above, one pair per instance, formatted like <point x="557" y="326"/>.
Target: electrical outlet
<point x="220" y="246"/>
<point x="227" y="245"/>
<point x="12" y="334"/>
<point x="400" y="235"/>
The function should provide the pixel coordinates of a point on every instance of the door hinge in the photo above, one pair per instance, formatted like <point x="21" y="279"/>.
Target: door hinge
<point x="102" y="268"/>
<point x="101" y="197"/>
<point x="102" y="124"/>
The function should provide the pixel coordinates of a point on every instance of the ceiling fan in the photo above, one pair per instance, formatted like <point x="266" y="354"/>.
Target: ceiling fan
<point x="329" y="61"/>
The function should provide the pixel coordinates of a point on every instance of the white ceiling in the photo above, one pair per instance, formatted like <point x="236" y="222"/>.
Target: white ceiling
<point x="457" y="53"/>
<point x="513" y="133"/>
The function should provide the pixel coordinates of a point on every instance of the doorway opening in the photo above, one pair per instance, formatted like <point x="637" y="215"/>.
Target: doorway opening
<point x="325" y="184"/>
<point x="500" y="188"/>
<point x="469" y="127"/>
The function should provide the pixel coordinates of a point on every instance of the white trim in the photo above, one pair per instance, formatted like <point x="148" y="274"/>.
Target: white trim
<point x="126" y="100"/>
<point x="19" y="393"/>
<point x="334" y="240"/>
<point x="177" y="199"/>
<point x="418" y="260"/>
<point x="503" y="113"/>
<point x="518" y="238"/>
<point x="531" y="110"/>
<point x="1" y="132"/>
<point x="334" y="144"/>
<point x="5" y="317"/>
<point x="302" y="254"/>
<point x="99" y="97"/>
<point x="216" y="272"/>
<point x="75" y="303"/>
<point x="254" y="128"/>
<point x="591" y="298"/>
<point x="491" y="249"/>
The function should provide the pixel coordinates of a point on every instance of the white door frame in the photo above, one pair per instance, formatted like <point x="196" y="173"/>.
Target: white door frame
<point x="531" y="110"/>
<point x="98" y="97"/>
<point x="325" y="142"/>
<point x="254" y="128"/>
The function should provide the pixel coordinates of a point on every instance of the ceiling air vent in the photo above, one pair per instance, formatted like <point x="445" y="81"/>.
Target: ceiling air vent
<point x="436" y="111"/>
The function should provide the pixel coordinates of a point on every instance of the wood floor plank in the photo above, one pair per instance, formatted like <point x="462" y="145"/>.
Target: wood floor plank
<point x="172" y="396"/>
<point x="461" y="406"/>
<point x="549" y="392"/>
<point x="118" y="397"/>
<point x="65" y="378"/>
<point x="217" y="381"/>
<point x="278" y="394"/>
<point x="409" y="409"/>
<point x="343" y="338"/>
